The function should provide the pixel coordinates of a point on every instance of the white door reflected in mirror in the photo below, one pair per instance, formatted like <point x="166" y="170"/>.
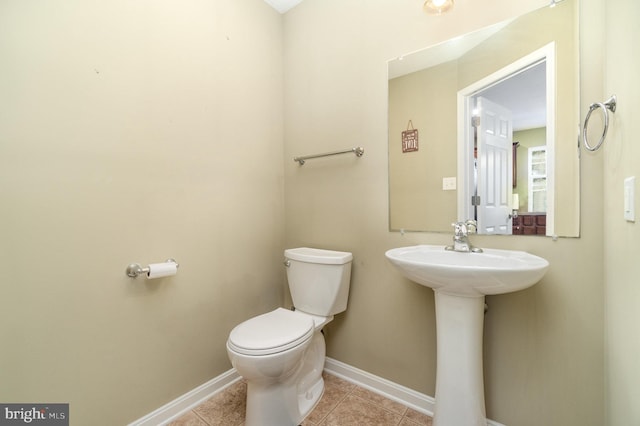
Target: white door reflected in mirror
<point x="493" y="161"/>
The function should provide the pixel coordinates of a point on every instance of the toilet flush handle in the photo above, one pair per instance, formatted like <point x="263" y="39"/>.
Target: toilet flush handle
<point x="287" y="263"/>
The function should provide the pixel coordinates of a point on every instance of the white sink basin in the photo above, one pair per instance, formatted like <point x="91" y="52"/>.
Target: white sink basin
<point x="470" y="274"/>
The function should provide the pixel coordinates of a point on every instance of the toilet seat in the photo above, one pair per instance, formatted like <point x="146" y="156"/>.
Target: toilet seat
<point x="270" y="333"/>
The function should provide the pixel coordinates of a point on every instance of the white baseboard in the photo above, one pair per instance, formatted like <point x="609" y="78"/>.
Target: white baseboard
<point x="181" y="405"/>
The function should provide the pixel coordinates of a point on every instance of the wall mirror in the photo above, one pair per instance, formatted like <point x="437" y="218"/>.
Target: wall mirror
<point x="486" y="126"/>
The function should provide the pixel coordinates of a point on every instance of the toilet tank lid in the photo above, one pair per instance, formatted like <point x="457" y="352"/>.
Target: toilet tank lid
<point x="313" y="255"/>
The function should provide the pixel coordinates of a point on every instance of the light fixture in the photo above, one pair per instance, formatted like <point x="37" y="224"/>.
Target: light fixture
<point x="437" y="7"/>
<point x="515" y="205"/>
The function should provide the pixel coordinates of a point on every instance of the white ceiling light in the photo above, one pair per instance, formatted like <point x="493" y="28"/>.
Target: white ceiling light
<point x="437" y="7"/>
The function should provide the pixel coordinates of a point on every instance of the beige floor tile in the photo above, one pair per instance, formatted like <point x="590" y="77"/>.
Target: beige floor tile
<point x="407" y="422"/>
<point x="418" y="418"/>
<point x="331" y="381"/>
<point x="189" y="419"/>
<point x="335" y="390"/>
<point x="380" y="400"/>
<point x="355" y="411"/>
<point x="226" y="408"/>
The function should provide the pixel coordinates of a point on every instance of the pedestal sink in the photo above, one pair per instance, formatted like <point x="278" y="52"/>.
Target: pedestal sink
<point x="460" y="282"/>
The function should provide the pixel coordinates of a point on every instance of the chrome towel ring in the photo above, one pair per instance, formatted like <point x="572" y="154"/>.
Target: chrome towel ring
<point x="609" y="104"/>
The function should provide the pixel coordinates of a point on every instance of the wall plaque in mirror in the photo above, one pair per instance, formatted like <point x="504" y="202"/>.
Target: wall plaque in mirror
<point x="434" y="186"/>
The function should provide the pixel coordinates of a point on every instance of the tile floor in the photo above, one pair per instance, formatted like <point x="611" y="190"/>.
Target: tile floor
<point x="343" y="404"/>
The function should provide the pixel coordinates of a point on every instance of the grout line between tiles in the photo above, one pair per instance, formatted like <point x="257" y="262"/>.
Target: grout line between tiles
<point x="334" y="407"/>
<point x="200" y="417"/>
<point x="370" y="402"/>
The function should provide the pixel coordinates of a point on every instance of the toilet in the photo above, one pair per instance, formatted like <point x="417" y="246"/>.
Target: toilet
<point x="281" y="354"/>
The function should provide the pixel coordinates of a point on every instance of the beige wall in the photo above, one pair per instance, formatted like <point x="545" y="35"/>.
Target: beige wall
<point x="134" y="132"/>
<point x="621" y="153"/>
<point x="416" y="199"/>
<point x="543" y="346"/>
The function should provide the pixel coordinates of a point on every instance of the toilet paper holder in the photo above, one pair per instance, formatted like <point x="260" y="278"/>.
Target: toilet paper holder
<point x="134" y="269"/>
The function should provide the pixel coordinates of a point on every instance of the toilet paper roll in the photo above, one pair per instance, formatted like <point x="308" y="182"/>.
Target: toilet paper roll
<point x="159" y="270"/>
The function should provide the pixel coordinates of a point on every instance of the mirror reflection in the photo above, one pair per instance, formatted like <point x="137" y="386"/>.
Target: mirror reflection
<point x="503" y="117"/>
<point x="485" y="127"/>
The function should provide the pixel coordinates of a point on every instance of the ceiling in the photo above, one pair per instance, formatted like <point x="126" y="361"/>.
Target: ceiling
<point x="529" y="104"/>
<point x="282" y="6"/>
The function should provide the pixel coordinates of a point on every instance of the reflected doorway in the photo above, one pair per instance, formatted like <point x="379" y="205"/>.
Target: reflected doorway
<point x="497" y="131"/>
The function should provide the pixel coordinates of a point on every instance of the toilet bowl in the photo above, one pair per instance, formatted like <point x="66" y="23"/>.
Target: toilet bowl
<point x="281" y="356"/>
<point x="281" y="353"/>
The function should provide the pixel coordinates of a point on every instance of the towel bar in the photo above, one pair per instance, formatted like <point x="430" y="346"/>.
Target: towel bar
<point x="359" y="151"/>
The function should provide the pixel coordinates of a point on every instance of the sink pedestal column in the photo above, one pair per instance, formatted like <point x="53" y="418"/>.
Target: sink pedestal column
<point x="459" y="377"/>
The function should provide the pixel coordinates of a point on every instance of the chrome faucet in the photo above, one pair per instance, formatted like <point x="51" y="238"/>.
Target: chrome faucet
<point x="461" y="237"/>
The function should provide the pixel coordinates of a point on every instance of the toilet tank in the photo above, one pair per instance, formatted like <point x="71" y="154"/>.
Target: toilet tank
<point x="318" y="279"/>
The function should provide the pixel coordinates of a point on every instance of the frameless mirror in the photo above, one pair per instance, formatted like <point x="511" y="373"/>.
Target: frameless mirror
<point x="485" y="126"/>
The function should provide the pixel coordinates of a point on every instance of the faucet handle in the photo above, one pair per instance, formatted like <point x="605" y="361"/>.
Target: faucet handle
<point x="472" y="226"/>
<point x="459" y="229"/>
